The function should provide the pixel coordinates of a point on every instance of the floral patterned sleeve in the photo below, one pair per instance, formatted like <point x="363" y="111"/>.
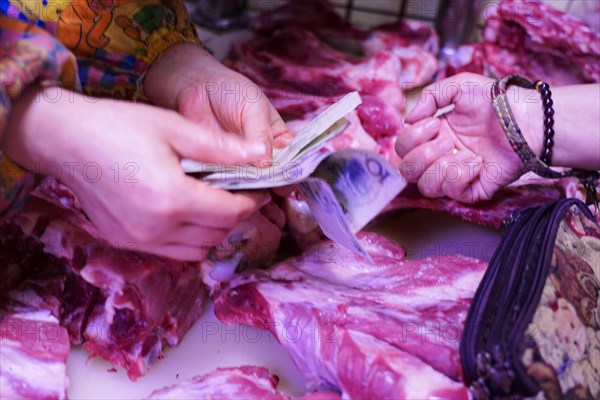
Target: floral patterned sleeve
<point x="102" y="47"/>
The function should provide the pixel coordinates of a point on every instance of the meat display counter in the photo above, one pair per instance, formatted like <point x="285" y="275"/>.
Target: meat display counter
<point x="211" y="344"/>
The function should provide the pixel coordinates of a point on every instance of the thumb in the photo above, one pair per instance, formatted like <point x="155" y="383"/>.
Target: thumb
<point x="256" y="124"/>
<point x="433" y="98"/>
<point x="198" y="143"/>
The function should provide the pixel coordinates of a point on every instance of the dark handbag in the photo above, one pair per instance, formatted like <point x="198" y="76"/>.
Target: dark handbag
<point x="533" y="328"/>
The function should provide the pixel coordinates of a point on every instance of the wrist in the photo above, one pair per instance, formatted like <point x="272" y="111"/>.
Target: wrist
<point x="175" y="70"/>
<point x="529" y="115"/>
<point x="29" y="129"/>
<point x="40" y="129"/>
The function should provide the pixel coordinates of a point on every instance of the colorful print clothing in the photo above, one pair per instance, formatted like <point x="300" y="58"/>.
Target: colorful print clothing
<point x="102" y="47"/>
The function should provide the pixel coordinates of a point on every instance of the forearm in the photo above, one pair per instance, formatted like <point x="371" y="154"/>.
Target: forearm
<point x="29" y="138"/>
<point x="576" y="124"/>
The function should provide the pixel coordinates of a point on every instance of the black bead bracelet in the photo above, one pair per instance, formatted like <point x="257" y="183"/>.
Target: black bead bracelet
<point x="531" y="162"/>
<point x="547" y="104"/>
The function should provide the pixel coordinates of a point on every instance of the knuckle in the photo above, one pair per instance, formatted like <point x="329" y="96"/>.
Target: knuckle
<point x="166" y="208"/>
<point x="143" y="234"/>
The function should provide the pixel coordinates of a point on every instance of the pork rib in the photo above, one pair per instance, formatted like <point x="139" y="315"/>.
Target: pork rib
<point x="117" y="303"/>
<point x="533" y="39"/>
<point x="329" y="301"/>
<point x="225" y="383"/>
<point x="33" y="356"/>
<point x="244" y="382"/>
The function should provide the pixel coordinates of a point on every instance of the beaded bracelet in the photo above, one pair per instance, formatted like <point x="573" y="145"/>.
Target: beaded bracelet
<point x="513" y="133"/>
<point x="547" y="103"/>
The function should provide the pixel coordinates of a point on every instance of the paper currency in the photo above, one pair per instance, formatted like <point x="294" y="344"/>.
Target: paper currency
<point x="347" y="190"/>
<point x="279" y="173"/>
<point x="344" y="190"/>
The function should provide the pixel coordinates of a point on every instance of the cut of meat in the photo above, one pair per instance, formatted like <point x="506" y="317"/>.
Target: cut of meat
<point x="225" y="383"/>
<point x="295" y="58"/>
<point x="529" y="191"/>
<point x="118" y="303"/>
<point x="491" y="213"/>
<point x="531" y="39"/>
<point x="537" y="28"/>
<point x="318" y="15"/>
<point x="415" y="45"/>
<point x="305" y="60"/>
<point x="33" y="346"/>
<point x="233" y="383"/>
<point x="329" y="303"/>
<point x="33" y="356"/>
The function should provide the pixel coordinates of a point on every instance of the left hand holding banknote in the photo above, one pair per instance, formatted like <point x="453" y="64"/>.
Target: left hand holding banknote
<point x="189" y="80"/>
<point x="135" y="193"/>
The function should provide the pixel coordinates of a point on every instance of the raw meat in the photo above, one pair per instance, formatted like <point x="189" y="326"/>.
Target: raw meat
<point x="33" y="356"/>
<point x="225" y="383"/>
<point x="328" y="307"/>
<point x="305" y="59"/>
<point x="296" y="60"/>
<point x="531" y="39"/>
<point x="493" y="213"/>
<point x="233" y="383"/>
<point x="118" y="303"/>
<point x="318" y="15"/>
<point x="33" y="346"/>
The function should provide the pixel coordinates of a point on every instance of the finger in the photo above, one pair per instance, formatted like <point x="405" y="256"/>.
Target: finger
<point x="216" y="208"/>
<point x="419" y="160"/>
<point x="451" y="176"/>
<point x="461" y="174"/>
<point x="196" y="235"/>
<point x="283" y="140"/>
<point x="417" y="134"/>
<point x="278" y="126"/>
<point x="195" y="142"/>
<point x="434" y="97"/>
<point x="256" y="124"/>
<point x="284" y="191"/>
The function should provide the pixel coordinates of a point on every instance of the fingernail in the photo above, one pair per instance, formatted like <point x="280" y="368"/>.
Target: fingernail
<point x="446" y="145"/>
<point x="432" y="124"/>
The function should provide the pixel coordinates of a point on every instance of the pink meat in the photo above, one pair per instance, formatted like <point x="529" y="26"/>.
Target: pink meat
<point x="491" y="213"/>
<point x="316" y="14"/>
<point x="296" y="59"/>
<point x="529" y="191"/>
<point x="118" y="303"/>
<point x="540" y="28"/>
<point x="233" y="383"/>
<point x="329" y="301"/>
<point x="225" y="383"/>
<point x="33" y="354"/>
<point x="532" y="39"/>
<point x="415" y="45"/>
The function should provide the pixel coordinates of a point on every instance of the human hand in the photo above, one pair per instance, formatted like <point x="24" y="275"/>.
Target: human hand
<point x="188" y="79"/>
<point x="463" y="154"/>
<point x="136" y="193"/>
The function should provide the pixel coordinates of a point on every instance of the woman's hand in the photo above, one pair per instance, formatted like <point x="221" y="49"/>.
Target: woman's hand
<point x="188" y="79"/>
<point x="122" y="161"/>
<point x="463" y="154"/>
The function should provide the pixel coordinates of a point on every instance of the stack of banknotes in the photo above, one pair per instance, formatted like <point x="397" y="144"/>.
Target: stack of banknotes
<point x="344" y="189"/>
